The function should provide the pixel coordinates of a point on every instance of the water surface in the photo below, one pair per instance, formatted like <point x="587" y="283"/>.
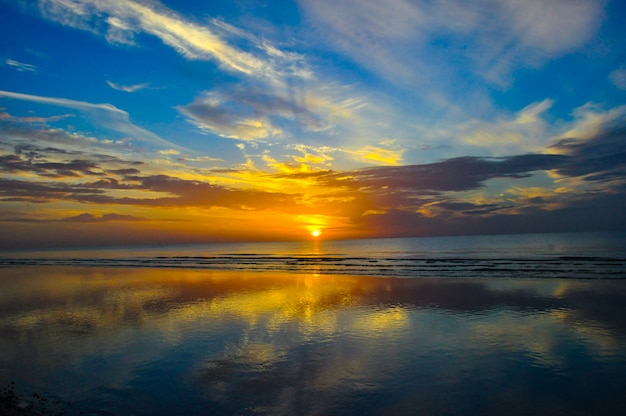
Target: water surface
<point x="542" y="256"/>
<point x="163" y="341"/>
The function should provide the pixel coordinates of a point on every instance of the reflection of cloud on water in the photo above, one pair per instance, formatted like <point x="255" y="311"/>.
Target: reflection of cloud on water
<point x="287" y="341"/>
<point x="384" y="322"/>
<point x="571" y="316"/>
<point x="538" y="338"/>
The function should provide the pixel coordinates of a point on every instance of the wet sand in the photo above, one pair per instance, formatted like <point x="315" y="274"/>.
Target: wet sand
<point x="180" y="341"/>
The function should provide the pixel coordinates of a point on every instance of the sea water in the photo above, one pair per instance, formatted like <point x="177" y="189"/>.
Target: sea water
<point x="515" y="325"/>
<point x="568" y="255"/>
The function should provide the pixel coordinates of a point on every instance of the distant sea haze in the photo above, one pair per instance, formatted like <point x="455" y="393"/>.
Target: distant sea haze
<point x="568" y="255"/>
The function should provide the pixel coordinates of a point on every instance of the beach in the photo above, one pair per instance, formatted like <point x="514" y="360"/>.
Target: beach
<point x="327" y="207"/>
<point x="150" y="341"/>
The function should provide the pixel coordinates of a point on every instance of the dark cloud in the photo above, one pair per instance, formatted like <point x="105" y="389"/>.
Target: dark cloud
<point x="409" y="188"/>
<point x="86" y="217"/>
<point x="16" y="190"/>
<point x="81" y="218"/>
<point x="322" y="174"/>
<point x="183" y="193"/>
<point x="458" y="206"/>
<point x="128" y="171"/>
<point x="601" y="158"/>
<point x="43" y="161"/>
<point x="33" y="151"/>
<point x="458" y="174"/>
<point x="407" y="200"/>
<point x="581" y="213"/>
<point x="70" y="168"/>
<point x="54" y="141"/>
<point x="197" y="193"/>
<point x="110" y="183"/>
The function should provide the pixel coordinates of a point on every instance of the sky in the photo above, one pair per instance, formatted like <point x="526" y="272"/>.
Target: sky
<point x="143" y="122"/>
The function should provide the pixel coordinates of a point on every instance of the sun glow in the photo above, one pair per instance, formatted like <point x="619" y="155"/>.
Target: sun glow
<point x="316" y="233"/>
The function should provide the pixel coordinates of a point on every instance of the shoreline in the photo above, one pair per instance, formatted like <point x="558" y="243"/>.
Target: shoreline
<point x="569" y="268"/>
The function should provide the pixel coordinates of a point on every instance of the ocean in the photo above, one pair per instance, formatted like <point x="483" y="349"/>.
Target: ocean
<point x="490" y="325"/>
<point x="568" y="255"/>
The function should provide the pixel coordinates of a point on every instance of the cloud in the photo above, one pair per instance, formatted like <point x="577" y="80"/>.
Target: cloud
<point x="120" y="186"/>
<point x="169" y="152"/>
<point x="379" y="154"/>
<point x="591" y="120"/>
<point x="33" y="159"/>
<point x="46" y="151"/>
<point x="601" y="158"/>
<point x="20" y="66"/>
<point x="106" y="114"/>
<point x="428" y="189"/>
<point x="62" y="102"/>
<point x="119" y="20"/>
<point x="254" y="112"/>
<point x="39" y="192"/>
<point x="33" y="137"/>
<point x="490" y="37"/>
<point x="618" y="77"/>
<point x="431" y="196"/>
<point x="128" y="88"/>
<point x="72" y="168"/>
<point x="91" y="218"/>
<point x="595" y="144"/>
<point x="4" y="116"/>
<point x="467" y="194"/>
<point x="125" y="172"/>
<point x="585" y="213"/>
<point x="196" y="193"/>
<point x="278" y="95"/>
<point x="458" y="174"/>
<point x="532" y="129"/>
<point x="232" y="119"/>
<point x="525" y="131"/>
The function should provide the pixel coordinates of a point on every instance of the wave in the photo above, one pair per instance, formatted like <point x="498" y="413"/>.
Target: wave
<point x="577" y="267"/>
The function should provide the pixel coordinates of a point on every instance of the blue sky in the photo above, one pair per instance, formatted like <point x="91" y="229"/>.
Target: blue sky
<point x="365" y="118"/>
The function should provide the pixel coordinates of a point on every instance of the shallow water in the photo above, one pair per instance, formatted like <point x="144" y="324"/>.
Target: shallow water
<point x="159" y="341"/>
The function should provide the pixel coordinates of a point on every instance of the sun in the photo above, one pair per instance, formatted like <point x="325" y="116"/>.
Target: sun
<point x="316" y="233"/>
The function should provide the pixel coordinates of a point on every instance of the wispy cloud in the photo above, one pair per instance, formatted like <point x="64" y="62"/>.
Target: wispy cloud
<point x="122" y="19"/>
<point x="20" y="66"/>
<point x="4" y="116"/>
<point x="378" y="154"/>
<point x="618" y="77"/>
<point x="232" y="119"/>
<point x="106" y="114"/>
<point x="252" y="113"/>
<point x="277" y="88"/>
<point x="492" y="37"/>
<point x="63" y="102"/>
<point x="523" y="131"/>
<point x="128" y="88"/>
<point x="532" y="129"/>
<point x="591" y="120"/>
